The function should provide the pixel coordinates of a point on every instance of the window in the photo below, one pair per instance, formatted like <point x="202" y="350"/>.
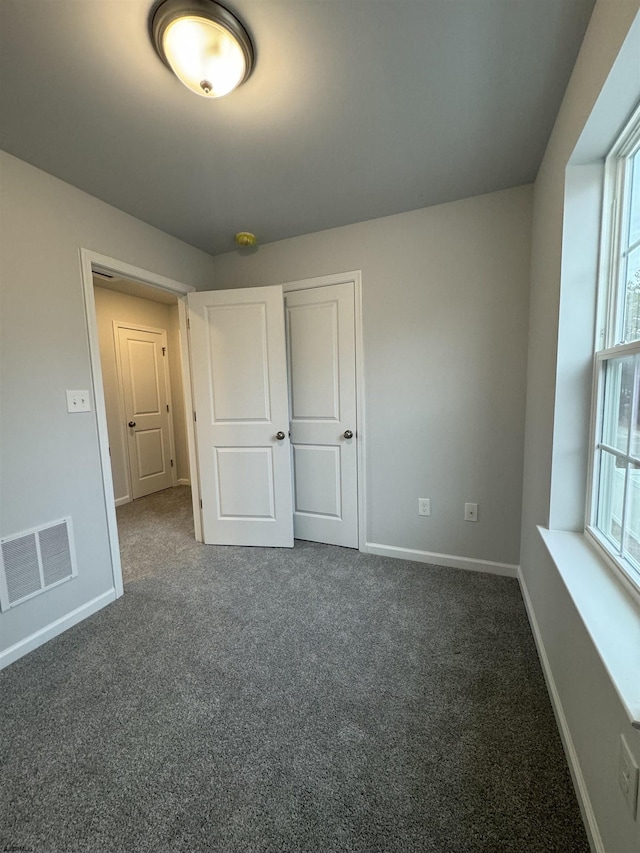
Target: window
<point x="614" y="507"/>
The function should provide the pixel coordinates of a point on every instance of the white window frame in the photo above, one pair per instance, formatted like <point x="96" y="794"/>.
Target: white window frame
<point x="609" y="344"/>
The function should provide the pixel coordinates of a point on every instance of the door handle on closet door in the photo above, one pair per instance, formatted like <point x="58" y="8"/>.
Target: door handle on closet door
<point x="132" y="423"/>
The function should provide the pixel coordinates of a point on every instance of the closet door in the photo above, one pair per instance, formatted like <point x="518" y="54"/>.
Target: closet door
<point x="239" y="374"/>
<point x="320" y="325"/>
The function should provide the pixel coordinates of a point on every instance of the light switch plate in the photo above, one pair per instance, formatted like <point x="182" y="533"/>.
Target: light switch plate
<point x="78" y="401"/>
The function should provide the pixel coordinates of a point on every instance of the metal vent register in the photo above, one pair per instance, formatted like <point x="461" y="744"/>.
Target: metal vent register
<point x="35" y="560"/>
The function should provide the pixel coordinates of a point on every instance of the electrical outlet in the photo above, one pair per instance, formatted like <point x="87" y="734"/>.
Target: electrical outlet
<point x="628" y="776"/>
<point x="471" y="512"/>
<point x="424" y="506"/>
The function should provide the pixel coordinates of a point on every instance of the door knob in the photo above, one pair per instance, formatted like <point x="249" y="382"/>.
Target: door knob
<point x="280" y="435"/>
<point x="132" y="423"/>
<point x="348" y="433"/>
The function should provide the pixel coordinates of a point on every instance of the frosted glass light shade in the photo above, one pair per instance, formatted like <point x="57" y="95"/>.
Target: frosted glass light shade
<point x="205" y="46"/>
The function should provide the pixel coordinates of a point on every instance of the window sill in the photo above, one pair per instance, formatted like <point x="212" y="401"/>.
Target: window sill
<point x="610" y="616"/>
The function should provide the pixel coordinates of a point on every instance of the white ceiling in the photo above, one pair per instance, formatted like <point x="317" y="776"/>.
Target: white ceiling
<point x="356" y="109"/>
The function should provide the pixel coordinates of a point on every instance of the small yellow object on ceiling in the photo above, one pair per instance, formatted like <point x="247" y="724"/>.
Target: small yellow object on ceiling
<point x="246" y="238"/>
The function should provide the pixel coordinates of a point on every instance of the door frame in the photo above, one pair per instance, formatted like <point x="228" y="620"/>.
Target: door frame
<point x="354" y="277"/>
<point x="91" y="262"/>
<point x="137" y="327"/>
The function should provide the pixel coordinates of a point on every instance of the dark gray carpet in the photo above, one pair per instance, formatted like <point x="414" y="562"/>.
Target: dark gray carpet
<point x="314" y="699"/>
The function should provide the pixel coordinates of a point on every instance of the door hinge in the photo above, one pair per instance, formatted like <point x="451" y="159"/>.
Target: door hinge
<point x="172" y="463"/>
<point x="200" y="503"/>
<point x="188" y="323"/>
<point x="167" y="407"/>
<point x="164" y="350"/>
<point x="194" y="417"/>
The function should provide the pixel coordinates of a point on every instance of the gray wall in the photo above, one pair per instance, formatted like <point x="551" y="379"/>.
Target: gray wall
<point x="50" y="465"/>
<point x="564" y="259"/>
<point x="110" y="306"/>
<point x="445" y="293"/>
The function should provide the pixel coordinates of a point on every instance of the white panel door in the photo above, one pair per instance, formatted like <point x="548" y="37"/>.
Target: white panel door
<point x="320" y="325"/>
<point x="143" y="374"/>
<point x="239" y="373"/>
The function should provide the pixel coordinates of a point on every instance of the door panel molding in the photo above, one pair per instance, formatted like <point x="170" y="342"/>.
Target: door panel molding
<point x="242" y="333"/>
<point x="235" y="464"/>
<point x="330" y="471"/>
<point x="326" y="349"/>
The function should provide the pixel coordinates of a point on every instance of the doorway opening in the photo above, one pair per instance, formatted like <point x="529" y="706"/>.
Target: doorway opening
<point x="138" y="330"/>
<point x="139" y="356"/>
<point x="141" y="376"/>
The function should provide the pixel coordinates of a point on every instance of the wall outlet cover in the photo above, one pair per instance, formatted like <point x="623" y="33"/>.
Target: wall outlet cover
<point x="470" y="512"/>
<point x="628" y="776"/>
<point x="424" y="506"/>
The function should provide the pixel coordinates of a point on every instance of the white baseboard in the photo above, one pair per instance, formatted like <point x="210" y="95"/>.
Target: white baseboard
<point x="579" y="784"/>
<point x="448" y="560"/>
<point x="183" y="481"/>
<point x="52" y="630"/>
<point x="125" y="500"/>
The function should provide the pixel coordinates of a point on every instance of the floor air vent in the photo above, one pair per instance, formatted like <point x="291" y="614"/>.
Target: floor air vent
<point x="34" y="561"/>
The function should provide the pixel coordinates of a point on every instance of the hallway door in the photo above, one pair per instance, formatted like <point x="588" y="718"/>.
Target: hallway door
<point x="144" y="386"/>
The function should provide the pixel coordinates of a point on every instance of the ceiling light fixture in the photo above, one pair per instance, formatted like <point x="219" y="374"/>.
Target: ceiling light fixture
<point x="205" y="46"/>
